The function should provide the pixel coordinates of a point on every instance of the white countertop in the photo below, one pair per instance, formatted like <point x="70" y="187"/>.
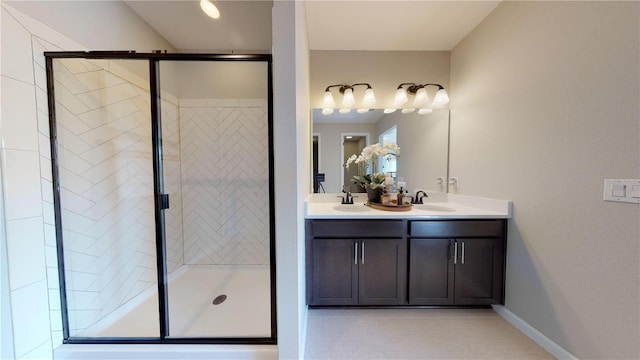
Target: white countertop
<point x="446" y="206"/>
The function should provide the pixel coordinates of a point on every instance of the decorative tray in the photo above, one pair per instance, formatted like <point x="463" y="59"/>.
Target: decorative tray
<point x="379" y="206"/>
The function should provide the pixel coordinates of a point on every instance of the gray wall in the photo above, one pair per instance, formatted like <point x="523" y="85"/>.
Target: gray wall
<point x="544" y="107"/>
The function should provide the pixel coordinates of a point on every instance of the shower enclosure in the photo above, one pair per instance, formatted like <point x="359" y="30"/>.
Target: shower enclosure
<point x="163" y="190"/>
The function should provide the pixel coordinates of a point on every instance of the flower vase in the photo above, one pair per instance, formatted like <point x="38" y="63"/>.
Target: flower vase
<point x="373" y="195"/>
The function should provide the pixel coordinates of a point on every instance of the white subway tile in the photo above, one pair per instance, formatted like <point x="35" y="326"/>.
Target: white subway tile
<point x="46" y="171"/>
<point x="103" y="115"/>
<point x="30" y="317"/>
<point x="43" y="123"/>
<point x="51" y="255"/>
<point x="42" y="101"/>
<point x="21" y="176"/>
<point x="19" y="126"/>
<point x="44" y="146"/>
<point x="56" y="338"/>
<point x="99" y="79"/>
<point x="43" y="352"/>
<point x="16" y="55"/>
<point x="47" y="191"/>
<point x="65" y="99"/>
<point x="52" y="278"/>
<point x="48" y="213"/>
<point x="55" y="318"/>
<point x="25" y="246"/>
<point x="54" y="300"/>
<point x="78" y="281"/>
<point x="49" y="234"/>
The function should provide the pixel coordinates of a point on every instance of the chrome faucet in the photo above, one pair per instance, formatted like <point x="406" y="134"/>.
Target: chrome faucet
<point x="418" y="199"/>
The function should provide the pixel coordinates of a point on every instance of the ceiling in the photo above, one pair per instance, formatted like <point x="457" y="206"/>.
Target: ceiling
<point x="245" y="26"/>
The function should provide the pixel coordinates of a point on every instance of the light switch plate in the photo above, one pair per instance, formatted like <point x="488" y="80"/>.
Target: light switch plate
<point x="622" y="190"/>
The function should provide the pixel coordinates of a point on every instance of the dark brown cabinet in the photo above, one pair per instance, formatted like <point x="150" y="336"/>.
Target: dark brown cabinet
<point x="456" y="262"/>
<point x="400" y="262"/>
<point x="359" y="270"/>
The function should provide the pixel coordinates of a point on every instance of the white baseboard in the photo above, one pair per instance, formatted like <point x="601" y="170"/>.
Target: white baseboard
<point x="554" y="349"/>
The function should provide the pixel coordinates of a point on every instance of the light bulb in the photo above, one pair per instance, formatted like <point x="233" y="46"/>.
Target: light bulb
<point x="389" y="111"/>
<point x="210" y="9"/>
<point x="421" y="97"/>
<point x="362" y="111"/>
<point x="345" y="111"/>
<point x="347" y="98"/>
<point x="400" y="98"/>
<point x="369" y="98"/>
<point x="441" y="98"/>
<point x="425" y="111"/>
<point x="327" y="111"/>
<point x="408" y="111"/>
<point x="327" y="101"/>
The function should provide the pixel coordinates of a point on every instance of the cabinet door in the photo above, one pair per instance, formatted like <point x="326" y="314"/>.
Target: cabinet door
<point x="382" y="272"/>
<point x="335" y="272"/>
<point x="478" y="271"/>
<point x="431" y="272"/>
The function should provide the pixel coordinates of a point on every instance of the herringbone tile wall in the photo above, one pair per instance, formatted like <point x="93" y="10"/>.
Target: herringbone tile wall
<point x="225" y="181"/>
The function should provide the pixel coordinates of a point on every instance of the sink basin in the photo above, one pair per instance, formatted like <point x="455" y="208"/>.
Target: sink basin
<point x="351" y="208"/>
<point x="434" y="208"/>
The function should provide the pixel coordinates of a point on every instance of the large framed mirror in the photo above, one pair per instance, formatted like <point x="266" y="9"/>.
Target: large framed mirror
<point x="423" y="139"/>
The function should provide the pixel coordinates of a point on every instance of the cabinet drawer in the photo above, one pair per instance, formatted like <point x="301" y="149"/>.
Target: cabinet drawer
<point x="357" y="228"/>
<point x="456" y="228"/>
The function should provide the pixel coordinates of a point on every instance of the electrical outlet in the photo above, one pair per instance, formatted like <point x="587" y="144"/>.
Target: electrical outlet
<point x="454" y="181"/>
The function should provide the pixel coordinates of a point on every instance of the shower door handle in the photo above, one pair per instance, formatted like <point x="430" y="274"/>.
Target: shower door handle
<point x="163" y="200"/>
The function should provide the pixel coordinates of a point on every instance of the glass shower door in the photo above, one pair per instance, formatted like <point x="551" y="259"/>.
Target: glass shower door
<point x="215" y="157"/>
<point x="105" y="197"/>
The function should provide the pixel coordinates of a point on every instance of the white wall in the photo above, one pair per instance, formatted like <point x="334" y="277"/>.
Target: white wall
<point x="545" y="105"/>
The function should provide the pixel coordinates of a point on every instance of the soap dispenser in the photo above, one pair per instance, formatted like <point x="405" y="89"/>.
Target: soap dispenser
<point x="401" y="197"/>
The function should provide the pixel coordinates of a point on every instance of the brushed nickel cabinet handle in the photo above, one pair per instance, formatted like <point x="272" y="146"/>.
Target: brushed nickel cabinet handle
<point x="463" y="252"/>
<point x="355" y="253"/>
<point x="362" y="254"/>
<point x="455" y="252"/>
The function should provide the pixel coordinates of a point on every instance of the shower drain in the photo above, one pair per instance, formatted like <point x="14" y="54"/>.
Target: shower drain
<point x="219" y="299"/>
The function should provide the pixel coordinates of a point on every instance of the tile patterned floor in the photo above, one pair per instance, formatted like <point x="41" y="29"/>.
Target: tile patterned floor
<point x="415" y="334"/>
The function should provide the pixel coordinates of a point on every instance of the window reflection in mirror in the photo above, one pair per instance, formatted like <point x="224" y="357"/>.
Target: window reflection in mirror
<point x="423" y="141"/>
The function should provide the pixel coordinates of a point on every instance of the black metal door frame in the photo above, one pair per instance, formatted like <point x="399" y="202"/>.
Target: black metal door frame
<point x="156" y="129"/>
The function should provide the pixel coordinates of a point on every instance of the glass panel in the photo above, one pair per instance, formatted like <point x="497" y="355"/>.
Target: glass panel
<point x="216" y="172"/>
<point x="104" y="158"/>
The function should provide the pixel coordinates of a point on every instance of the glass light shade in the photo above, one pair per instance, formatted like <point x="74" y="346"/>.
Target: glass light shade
<point x="425" y="111"/>
<point x="210" y="9"/>
<point x="421" y="97"/>
<point x="389" y="111"/>
<point x="369" y="98"/>
<point x="327" y="100"/>
<point x="441" y="98"/>
<point x="345" y="111"/>
<point x="362" y="111"/>
<point x="347" y="98"/>
<point x="327" y="111"/>
<point x="408" y="111"/>
<point x="400" y="98"/>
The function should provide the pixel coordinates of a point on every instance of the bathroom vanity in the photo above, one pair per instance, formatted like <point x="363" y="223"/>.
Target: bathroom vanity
<point x="438" y="254"/>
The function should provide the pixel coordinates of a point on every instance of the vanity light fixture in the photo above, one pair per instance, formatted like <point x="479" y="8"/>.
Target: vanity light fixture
<point x="210" y="9"/>
<point x="420" y="98"/>
<point x="348" y="99"/>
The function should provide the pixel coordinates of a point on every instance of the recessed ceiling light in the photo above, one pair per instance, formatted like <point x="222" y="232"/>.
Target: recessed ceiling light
<point x="210" y="8"/>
